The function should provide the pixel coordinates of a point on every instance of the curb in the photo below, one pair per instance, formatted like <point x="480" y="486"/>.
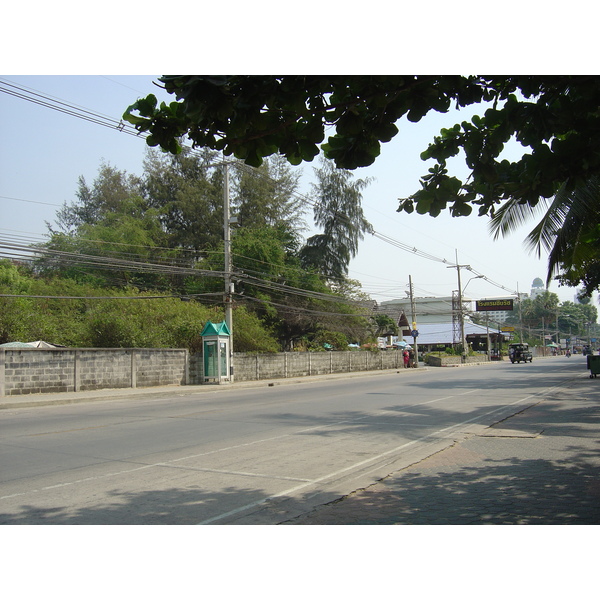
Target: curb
<point x="63" y="398"/>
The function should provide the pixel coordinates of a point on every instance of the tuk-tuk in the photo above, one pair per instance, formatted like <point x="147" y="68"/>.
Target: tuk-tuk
<point x="519" y="352"/>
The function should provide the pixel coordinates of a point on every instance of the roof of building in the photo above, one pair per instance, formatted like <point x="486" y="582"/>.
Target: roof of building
<point x="36" y="344"/>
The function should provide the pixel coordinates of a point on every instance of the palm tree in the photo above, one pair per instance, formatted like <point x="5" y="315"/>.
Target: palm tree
<point x="569" y="230"/>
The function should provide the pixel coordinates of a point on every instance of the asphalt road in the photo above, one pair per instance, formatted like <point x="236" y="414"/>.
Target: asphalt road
<point x="248" y="455"/>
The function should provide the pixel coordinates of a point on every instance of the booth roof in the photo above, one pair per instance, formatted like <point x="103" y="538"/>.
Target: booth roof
<point x="216" y="328"/>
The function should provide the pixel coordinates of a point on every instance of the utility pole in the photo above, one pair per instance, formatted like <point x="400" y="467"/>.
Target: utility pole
<point x="521" y="336"/>
<point x="414" y="320"/>
<point x="487" y="328"/>
<point x="227" y="299"/>
<point x="460" y="307"/>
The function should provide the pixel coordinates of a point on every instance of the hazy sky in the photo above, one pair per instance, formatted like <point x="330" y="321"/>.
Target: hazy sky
<point x="43" y="153"/>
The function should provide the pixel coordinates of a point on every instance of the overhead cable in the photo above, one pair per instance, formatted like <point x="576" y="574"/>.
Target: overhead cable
<point x="44" y="100"/>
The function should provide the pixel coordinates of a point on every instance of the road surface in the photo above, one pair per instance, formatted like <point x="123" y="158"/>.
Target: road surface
<point x="248" y="455"/>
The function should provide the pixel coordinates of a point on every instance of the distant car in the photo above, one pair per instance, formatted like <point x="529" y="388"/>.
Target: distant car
<point x="519" y="352"/>
<point x="587" y="350"/>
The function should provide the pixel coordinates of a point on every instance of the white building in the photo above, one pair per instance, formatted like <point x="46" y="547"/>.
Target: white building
<point x="537" y="288"/>
<point x="427" y="310"/>
<point x="434" y="320"/>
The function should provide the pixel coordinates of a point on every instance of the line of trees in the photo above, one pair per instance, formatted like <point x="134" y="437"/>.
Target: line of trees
<point x="545" y="315"/>
<point x="161" y="234"/>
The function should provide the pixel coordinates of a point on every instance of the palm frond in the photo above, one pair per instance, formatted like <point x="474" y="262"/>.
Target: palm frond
<point x="512" y="215"/>
<point x="581" y="217"/>
<point x="543" y="235"/>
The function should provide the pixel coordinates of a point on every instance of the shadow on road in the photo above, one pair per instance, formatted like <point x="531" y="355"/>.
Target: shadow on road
<point x="540" y="466"/>
<point x="175" y="506"/>
<point x="497" y="491"/>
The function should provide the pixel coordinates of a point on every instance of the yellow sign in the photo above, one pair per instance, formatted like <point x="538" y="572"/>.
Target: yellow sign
<point x="501" y="305"/>
<point x="507" y="329"/>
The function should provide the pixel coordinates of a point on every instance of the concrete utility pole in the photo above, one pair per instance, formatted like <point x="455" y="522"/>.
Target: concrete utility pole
<point x="520" y="315"/>
<point x="414" y="320"/>
<point x="227" y="299"/>
<point x="487" y="330"/>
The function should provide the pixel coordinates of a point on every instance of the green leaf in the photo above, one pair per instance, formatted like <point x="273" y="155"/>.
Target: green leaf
<point x="349" y="124"/>
<point x="385" y="131"/>
<point x="146" y="106"/>
<point x="460" y="209"/>
<point x="133" y="119"/>
<point x="308" y="150"/>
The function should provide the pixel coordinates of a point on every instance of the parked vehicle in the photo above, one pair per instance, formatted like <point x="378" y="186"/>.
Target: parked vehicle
<point x="593" y="364"/>
<point x="519" y="352"/>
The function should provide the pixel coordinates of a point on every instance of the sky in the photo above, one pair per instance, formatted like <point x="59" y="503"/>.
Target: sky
<point x="44" y="152"/>
<point x="71" y="51"/>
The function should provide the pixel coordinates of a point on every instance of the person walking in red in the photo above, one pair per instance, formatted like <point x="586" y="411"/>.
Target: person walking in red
<point x="406" y="357"/>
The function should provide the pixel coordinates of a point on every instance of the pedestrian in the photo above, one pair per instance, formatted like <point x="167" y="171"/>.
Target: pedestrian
<point x="406" y="357"/>
<point x="411" y="359"/>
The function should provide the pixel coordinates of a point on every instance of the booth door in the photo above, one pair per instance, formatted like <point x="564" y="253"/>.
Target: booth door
<point x="211" y="358"/>
<point x="224" y="372"/>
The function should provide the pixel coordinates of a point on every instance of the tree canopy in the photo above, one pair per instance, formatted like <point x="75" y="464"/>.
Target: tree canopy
<point x="555" y="118"/>
<point x="338" y="212"/>
<point x="162" y="232"/>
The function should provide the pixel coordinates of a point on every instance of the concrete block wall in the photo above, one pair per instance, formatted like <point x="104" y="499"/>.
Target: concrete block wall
<point x="35" y="371"/>
<point x="305" y="364"/>
<point x="103" y="369"/>
<point x="450" y="360"/>
<point x="154" y="367"/>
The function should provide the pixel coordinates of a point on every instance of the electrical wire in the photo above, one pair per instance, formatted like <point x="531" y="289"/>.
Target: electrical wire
<point x="307" y="310"/>
<point x="24" y="93"/>
<point x="163" y="297"/>
<point x="44" y="100"/>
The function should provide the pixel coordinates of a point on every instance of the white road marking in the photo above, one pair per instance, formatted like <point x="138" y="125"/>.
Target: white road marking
<point x="355" y="465"/>
<point x="305" y="482"/>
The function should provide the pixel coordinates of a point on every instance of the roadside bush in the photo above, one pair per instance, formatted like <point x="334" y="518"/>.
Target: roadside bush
<point x="250" y="334"/>
<point x="132" y="319"/>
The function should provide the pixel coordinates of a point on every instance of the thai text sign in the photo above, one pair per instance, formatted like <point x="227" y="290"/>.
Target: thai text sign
<point x="505" y="304"/>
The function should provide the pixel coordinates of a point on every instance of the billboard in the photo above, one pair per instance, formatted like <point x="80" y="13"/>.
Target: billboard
<point x="503" y="304"/>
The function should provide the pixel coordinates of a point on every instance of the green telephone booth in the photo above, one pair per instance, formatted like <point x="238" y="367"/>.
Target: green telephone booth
<point x="215" y="347"/>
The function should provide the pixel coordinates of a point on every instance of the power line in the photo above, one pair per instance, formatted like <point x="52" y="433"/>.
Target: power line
<point x="308" y="310"/>
<point x="162" y="297"/>
<point x="16" y="250"/>
<point x="30" y="95"/>
<point x="30" y="201"/>
<point x="24" y="93"/>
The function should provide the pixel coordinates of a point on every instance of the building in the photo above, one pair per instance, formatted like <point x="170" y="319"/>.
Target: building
<point x="537" y="288"/>
<point x="435" y="335"/>
<point x="427" y="310"/>
<point x="436" y="321"/>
